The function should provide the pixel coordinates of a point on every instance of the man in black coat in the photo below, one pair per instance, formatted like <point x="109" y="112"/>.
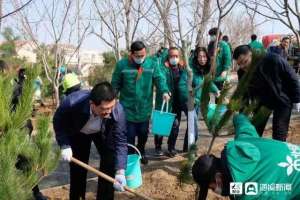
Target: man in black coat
<point x="93" y="116"/>
<point x="275" y="85"/>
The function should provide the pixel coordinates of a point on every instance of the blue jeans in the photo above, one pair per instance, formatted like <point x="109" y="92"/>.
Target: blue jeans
<point x="141" y="130"/>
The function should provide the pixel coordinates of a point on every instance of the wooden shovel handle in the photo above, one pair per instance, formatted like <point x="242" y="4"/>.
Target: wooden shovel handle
<point x="106" y="177"/>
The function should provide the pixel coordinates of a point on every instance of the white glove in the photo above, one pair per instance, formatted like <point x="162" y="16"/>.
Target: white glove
<point x="166" y="96"/>
<point x="120" y="180"/>
<point x="297" y="106"/>
<point x="66" y="154"/>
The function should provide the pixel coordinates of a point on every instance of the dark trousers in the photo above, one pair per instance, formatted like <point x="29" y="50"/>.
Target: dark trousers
<point x="173" y="135"/>
<point x="141" y="130"/>
<point x="175" y="130"/>
<point x="280" y="126"/>
<point x="81" y="144"/>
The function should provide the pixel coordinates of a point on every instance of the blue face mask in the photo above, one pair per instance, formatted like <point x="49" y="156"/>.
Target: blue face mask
<point x="173" y="61"/>
<point x="213" y="38"/>
<point x="138" y="61"/>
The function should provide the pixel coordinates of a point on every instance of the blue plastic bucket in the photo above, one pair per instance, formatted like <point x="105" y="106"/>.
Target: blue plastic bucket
<point x="133" y="172"/>
<point x="162" y="122"/>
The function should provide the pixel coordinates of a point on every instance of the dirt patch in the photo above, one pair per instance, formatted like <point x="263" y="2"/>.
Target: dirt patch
<point x="160" y="177"/>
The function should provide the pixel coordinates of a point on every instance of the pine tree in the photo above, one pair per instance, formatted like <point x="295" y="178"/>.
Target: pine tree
<point x="24" y="159"/>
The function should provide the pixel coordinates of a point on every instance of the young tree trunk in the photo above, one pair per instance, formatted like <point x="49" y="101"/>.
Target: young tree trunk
<point x="164" y="11"/>
<point x="56" y="95"/>
<point x="127" y="8"/>
<point x="190" y="104"/>
<point x="203" y="23"/>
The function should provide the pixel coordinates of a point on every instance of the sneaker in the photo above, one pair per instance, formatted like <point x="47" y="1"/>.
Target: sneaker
<point x="144" y="160"/>
<point x="158" y="152"/>
<point x="40" y="196"/>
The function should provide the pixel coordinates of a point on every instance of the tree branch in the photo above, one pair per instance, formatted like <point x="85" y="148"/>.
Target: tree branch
<point x="17" y="10"/>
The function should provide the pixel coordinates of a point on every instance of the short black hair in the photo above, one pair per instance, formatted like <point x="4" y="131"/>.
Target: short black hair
<point x="241" y="50"/>
<point x="225" y="38"/>
<point x="102" y="92"/>
<point x="204" y="170"/>
<point x="137" y="46"/>
<point x="21" y="73"/>
<point x="253" y="37"/>
<point x="213" y="31"/>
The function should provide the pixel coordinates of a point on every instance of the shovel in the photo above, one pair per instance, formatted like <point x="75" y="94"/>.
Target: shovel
<point x="106" y="177"/>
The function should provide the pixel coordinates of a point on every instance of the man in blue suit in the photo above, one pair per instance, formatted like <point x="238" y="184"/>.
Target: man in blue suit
<point x="86" y="116"/>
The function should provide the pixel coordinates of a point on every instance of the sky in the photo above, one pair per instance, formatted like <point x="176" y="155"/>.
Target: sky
<point x="93" y="42"/>
<point x="269" y="27"/>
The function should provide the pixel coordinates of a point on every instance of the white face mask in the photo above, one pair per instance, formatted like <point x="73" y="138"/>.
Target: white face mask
<point x="174" y="61"/>
<point x="138" y="61"/>
<point x="213" y="38"/>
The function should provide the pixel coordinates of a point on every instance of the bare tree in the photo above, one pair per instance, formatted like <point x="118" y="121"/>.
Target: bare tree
<point x="14" y="11"/>
<point x="252" y="14"/>
<point x="204" y="16"/>
<point x="53" y="19"/>
<point x="223" y="10"/>
<point x="239" y="34"/>
<point x="110" y="31"/>
<point x="164" y="6"/>
<point x="280" y="10"/>
<point x="120" y="22"/>
<point x="127" y="8"/>
<point x="185" y="49"/>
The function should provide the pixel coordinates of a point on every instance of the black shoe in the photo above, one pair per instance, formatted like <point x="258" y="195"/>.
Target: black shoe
<point x="144" y="160"/>
<point x="158" y="152"/>
<point x="171" y="153"/>
<point x="40" y="196"/>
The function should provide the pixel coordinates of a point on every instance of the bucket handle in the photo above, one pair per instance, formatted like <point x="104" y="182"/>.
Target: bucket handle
<point x="163" y="105"/>
<point x="136" y="149"/>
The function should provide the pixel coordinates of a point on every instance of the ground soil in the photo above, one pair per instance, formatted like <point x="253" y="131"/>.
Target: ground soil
<point x="160" y="176"/>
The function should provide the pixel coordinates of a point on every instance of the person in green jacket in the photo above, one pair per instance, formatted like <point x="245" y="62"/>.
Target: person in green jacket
<point x="256" y="45"/>
<point x="250" y="167"/>
<point x="225" y="38"/>
<point x="200" y="64"/>
<point x="173" y="70"/>
<point x="223" y="60"/>
<point x="133" y="78"/>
